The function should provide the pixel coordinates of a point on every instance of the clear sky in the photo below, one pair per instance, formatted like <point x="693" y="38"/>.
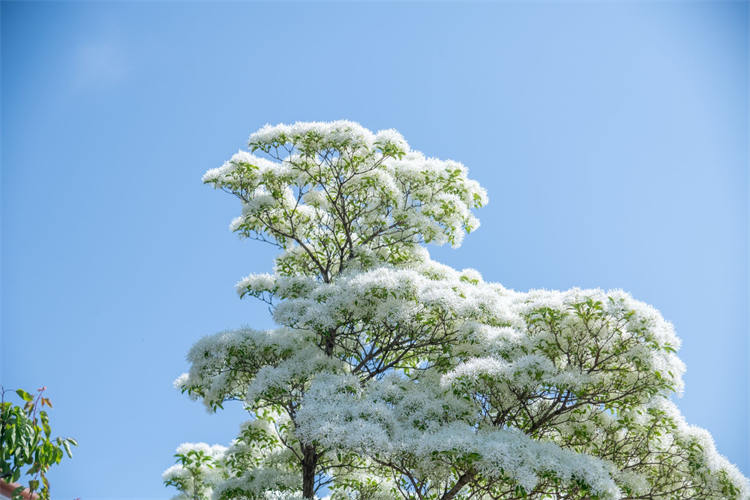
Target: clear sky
<point x="612" y="138"/>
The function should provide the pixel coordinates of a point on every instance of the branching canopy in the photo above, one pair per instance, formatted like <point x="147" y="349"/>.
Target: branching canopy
<point x="393" y="376"/>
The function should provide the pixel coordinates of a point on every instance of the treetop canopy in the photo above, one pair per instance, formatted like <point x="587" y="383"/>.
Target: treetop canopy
<point x="334" y="194"/>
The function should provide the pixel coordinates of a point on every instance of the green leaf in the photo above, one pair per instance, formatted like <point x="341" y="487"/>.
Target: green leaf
<point x="24" y="395"/>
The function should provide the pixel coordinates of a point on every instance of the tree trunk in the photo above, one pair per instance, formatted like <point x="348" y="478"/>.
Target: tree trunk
<point x="309" y="454"/>
<point x="309" y="464"/>
<point x="465" y="478"/>
<point x="330" y="342"/>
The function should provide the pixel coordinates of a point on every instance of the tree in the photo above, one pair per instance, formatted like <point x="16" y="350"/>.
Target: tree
<point x="26" y="442"/>
<point x="393" y="376"/>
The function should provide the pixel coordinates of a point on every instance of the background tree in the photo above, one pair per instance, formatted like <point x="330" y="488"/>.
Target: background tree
<point x="394" y="376"/>
<point x="26" y="443"/>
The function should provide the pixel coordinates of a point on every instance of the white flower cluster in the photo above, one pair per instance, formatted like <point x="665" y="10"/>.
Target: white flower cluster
<point x="324" y="135"/>
<point x="197" y="471"/>
<point x="230" y="171"/>
<point x="249" y="365"/>
<point x="603" y="344"/>
<point x="395" y="420"/>
<point x="286" y="495"/>
<point x="339" y="185"/>
<point x="717" y="473"/>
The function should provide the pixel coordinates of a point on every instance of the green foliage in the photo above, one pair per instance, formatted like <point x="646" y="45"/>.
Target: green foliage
<point x="192" y="482"/>
<point x="26" y="442"/>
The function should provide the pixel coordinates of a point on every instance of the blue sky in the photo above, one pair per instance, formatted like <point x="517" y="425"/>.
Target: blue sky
<point x="612" y="138"/>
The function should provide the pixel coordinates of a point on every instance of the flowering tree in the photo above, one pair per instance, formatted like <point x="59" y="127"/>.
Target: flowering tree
<point x="393" y="376"/>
